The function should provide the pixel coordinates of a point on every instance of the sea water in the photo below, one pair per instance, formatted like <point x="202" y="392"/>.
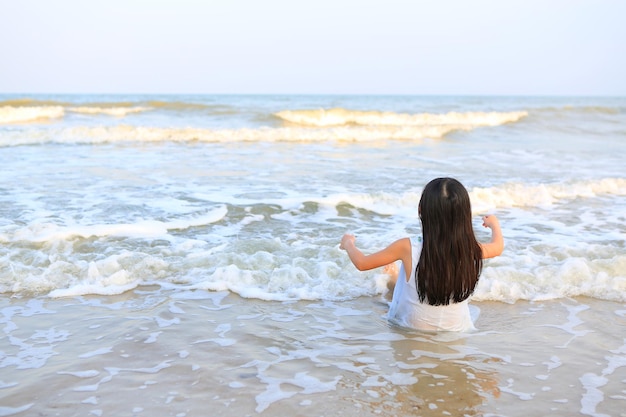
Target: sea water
<point x="251" y="194"/>
<point x="187" y="248"/>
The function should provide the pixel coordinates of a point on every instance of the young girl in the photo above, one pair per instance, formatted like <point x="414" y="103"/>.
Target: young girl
<point x="439" y="273"/>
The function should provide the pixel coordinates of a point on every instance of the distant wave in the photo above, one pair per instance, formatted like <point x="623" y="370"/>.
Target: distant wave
<point x="17" y="111"/>
<point x="575" y="111"/>
<point x="10" y="114"/>
<point x="158" y="104"/>
<point x="342" y="117"/>
<point x="594" y="109"/>
<point x="190" y="106"/>
<point x="30" y="114"/>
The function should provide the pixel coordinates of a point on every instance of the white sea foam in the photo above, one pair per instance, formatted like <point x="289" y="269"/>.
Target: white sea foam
<point x="47" y="232"/>
<point x="285" y="267"/>
<point x="308" y="384"/>
<point x="97" y="352"/>
<point x="516" y="277"/>
<point x="542" y="195"/>
<point x="593" y="395"/>
<point x="340" y="117"/>
<point x="10" y="114"/>
<point x="82" y="374"/>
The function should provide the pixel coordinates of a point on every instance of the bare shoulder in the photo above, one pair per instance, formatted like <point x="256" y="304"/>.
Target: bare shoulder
<point x="491" y="249"/>
<point x="405" y="254"/>
<point x="403" y="245"/>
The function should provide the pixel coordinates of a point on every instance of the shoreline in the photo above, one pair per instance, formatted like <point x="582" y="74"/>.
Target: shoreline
<point x="183" y="351"/>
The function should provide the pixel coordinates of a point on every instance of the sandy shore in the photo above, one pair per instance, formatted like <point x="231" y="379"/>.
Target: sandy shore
<point x="151" y="352"/>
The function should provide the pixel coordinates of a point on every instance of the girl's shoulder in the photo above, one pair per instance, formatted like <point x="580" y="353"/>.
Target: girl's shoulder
<point x="415" y="242"/>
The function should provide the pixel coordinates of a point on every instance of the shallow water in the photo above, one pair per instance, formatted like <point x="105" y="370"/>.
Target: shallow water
<point x="185" y="351"/>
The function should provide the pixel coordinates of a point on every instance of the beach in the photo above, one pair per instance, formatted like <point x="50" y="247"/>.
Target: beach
<point x="178" y="255"/>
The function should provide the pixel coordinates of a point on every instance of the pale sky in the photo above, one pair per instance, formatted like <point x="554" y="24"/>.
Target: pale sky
<point x="474" y="47"/>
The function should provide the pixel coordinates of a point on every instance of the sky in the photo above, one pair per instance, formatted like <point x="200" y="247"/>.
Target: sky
<point x="439" y="47"/>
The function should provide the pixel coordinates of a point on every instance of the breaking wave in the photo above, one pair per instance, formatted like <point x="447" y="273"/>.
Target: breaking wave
<point x="342" y="117"/>
<point x="10" y="114"/>
<point x="127" y="133"/>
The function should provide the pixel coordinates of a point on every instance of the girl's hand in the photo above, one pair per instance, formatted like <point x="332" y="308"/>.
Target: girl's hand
<point x="347" y="240"/>
<point x="496" y="246"/>
<point x="490" y="221"/>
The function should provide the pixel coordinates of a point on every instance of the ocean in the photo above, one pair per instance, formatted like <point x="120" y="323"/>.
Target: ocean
<point x="188" y="246"/>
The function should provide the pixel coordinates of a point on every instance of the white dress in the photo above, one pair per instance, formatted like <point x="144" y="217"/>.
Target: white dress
<point x="407" y="310"/>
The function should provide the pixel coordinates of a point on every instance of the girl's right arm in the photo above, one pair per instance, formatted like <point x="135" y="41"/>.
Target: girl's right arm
<point x="398" y="250"/>
<point x="496" y="246"/>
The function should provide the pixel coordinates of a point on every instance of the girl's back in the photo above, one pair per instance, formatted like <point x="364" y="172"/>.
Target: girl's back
<point x="407" y="310"/>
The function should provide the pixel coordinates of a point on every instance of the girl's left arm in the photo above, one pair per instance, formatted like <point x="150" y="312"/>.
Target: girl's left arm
<point x="496" y="246"/>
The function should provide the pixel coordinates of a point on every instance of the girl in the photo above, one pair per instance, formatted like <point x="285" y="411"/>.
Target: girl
<point x="437" y="275"/>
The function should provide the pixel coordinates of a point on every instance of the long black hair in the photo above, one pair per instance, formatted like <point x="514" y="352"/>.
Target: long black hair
<point x="451" y="258"/>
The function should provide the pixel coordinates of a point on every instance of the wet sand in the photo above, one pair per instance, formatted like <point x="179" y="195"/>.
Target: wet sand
<point x="151" y="352"/>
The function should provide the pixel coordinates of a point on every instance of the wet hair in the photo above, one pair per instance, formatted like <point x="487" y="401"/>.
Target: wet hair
<point x="451" y="259"/>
